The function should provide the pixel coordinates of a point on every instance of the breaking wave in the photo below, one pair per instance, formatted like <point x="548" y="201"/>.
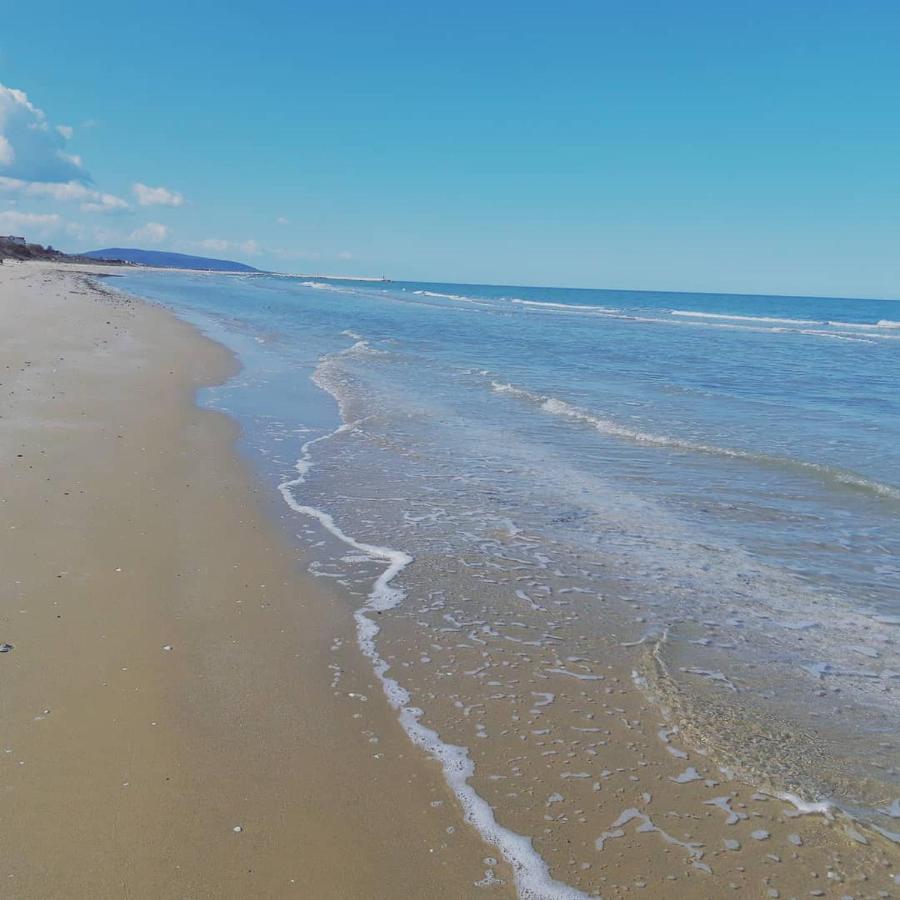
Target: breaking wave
<point x="561" y="408"/>
<point x="549" y="305"/>
<point x="441" y="296"/>
<point x="766" y="319"/>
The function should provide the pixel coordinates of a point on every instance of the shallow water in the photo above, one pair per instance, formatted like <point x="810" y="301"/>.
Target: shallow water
<point x="551" y="484"/>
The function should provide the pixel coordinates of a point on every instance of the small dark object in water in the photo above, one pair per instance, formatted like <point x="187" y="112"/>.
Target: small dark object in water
<point x="5" y="648"/>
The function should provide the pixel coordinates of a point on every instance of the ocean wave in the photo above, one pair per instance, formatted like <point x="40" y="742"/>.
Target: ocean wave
<point x="827" y="473"/>
<point x="325" y="287"/>
<point x="362" y="348"/>
<point x="882" y="337"/>
<point x="766" y="319"/>
<point x="559" y="407"/>
<point x="500" y="387"/>
<point x="754" y="324"/>
<point x="445" y="296"/>
<point x="549" y="305"/>
<point x="776" y="320"/>
<point x="839" y="335"/>
<point x="885" y="324"/>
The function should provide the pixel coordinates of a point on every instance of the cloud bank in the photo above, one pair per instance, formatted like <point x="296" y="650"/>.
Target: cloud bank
<point x="156" y="196"/>
<point x="30" y="149"/>
<point x="65" y="191"/>
<point x="14" y="222"/>
<point x="151" y="233"/>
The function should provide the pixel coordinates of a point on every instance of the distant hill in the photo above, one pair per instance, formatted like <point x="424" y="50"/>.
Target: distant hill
<point x="168" y="260"/>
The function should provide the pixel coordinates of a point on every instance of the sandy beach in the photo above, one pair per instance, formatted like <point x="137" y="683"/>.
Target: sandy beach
<point x="169" y="725"/>
<point x="187" y="714"/>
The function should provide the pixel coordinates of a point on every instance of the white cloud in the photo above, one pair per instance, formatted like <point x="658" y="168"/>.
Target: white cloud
<point x="29" y="148"/>
<point x="151" y="233"/>
<point x="91" y="200"/>
<point x="105" y="203"/>
<point x="156" y="196"/>
<point x="58" y="190"/>
<point x="282" y="220"/>
<point x="15" y="222"/>
<point x="66" y="131"/>
<point x="7" y="154"/>
<point x="250" y="247"/>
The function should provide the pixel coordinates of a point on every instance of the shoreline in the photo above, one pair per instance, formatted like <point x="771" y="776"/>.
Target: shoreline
<point x="170" y="679"/>
<point x="243" y="699"/>
<point x="825" y="830"/>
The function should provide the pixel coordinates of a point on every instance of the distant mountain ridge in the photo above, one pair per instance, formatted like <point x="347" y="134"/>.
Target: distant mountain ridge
<point x="167" y="260"/>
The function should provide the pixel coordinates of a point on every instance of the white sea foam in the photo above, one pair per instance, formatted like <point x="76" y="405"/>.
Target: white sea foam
<point x="441" y="296"/>
<point x="724" y="803"/>
<point x="766" y="319"/>
<point x="325" y="287"/>
<point x="549" y="305"/>
<point x="545" y="698"/>
<point x="693" y="848"/>
<point x="807" y="808"/>
<point x="810" y="327"/>
<point x="363" y="348"/>
<point x="849" y="478"/>
<point x="881" y="323"/>
<point x="687" y="776"/>
<point x="581" y="676"/>
<point x="880" y="336"/>
<point x="501" y="387"/>
<point x="837" y="335"/>
<point x="865" y="329"/>
<point x="532" y="876"/>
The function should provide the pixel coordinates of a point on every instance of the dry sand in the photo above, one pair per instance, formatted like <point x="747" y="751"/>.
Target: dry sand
<point x="129" y="525"/>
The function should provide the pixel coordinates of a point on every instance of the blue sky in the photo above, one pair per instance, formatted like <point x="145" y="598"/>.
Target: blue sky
<point x="680" y="146"/>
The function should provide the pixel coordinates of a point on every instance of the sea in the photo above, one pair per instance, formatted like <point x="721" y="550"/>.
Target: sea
<point x="520" y="486"/>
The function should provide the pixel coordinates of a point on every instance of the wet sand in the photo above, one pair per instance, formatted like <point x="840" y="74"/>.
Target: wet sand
<point x="130" y="526"/>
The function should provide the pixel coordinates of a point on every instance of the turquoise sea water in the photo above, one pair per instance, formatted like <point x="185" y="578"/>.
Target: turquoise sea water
<point x="728" y="465"/>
